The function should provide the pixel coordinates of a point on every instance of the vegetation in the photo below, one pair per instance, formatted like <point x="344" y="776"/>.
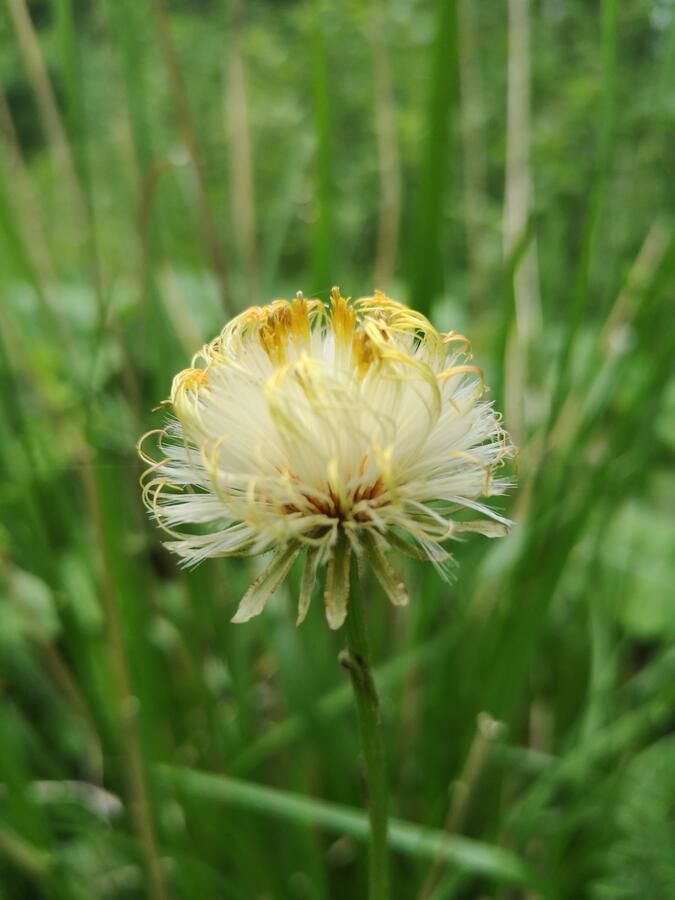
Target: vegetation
<point x="507" y="169"/>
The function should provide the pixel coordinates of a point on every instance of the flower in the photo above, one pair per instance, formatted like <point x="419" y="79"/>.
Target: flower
<point x="353" y="428"/>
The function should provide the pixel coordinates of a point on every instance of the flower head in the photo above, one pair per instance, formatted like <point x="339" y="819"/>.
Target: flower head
<point x="345" y="429"/>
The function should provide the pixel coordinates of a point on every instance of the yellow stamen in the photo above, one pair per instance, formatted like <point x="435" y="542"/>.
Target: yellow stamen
<point x="343" y="318"/>
<point x="274" y="331"/>
<point x="300" y="327"/>
<point x="188" y="380"/>
<point x="462" y="370"/>
<point x="364" y="352"/>
<point x="454" y="337"/>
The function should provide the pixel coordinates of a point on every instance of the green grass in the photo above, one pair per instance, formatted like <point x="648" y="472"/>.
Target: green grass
<point x="149" y="748"/>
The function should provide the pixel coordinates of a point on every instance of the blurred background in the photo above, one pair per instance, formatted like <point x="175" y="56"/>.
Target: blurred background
<point x="508" y="169"/>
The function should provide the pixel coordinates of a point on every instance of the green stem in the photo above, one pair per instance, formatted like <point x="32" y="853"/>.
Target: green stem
<point x="356" y="661"/>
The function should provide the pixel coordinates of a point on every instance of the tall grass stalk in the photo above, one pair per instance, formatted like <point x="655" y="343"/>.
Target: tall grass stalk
<point x="474" y="150"/>
<point x="242" y="192"/>
<point x="426" y="264"/>
<point x="323" y="230"/>
<point x="127" y="705"/>
<point x="189" y="132"/>
<point x="388" y="152"/>
<point x="47" y="106"/>
<point x="518" y="204"/>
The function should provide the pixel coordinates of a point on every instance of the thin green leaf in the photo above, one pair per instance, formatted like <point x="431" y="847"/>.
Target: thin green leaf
<point x="336" y="594"/>
<point x="308" y="582"/>
<point x="390" y="581"/>
<point x="255" y="598"/>
<point x="405" y="837"/>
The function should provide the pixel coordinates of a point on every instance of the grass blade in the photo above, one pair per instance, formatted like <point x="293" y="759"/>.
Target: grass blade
<point x="405" y="837"/>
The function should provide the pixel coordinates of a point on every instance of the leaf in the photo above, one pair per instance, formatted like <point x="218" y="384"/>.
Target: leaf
<point x="255" y="598"/>
<point x="29" y="611"/>
<point x="308" y="582"/>
<point x="391" y="582"/>
<point x="406" y="837"/>
<point x="407" y="548"/>
<point x="487" y="527"/>
<point x="336" y="594"/>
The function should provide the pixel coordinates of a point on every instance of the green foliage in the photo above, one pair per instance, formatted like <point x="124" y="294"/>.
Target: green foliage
<point x="148" y="747"/>
<point x="640" y="862"/>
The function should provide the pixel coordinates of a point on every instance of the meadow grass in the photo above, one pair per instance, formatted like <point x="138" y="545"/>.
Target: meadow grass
<point x="506" y="170"/>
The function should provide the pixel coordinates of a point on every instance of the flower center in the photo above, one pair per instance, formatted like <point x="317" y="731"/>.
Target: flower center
<point x="339" y="507"/>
